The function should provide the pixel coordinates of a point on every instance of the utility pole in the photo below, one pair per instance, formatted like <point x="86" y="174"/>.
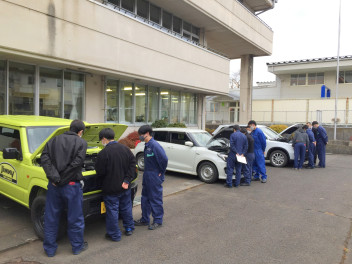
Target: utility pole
<point x="337" y="72"/>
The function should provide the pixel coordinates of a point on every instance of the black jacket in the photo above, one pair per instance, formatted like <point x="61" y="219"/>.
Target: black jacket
<point x="250" y="144"/>
<point x="63" y="157"/>
<point x="115" y="164"/>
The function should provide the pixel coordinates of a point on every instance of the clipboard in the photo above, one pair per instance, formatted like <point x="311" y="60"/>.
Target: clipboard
<point x="241" y="159"/>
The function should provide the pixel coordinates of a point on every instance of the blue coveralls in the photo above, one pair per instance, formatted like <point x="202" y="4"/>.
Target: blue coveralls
<point x="69" y="196"/>
<point x="311" y="149"/>
<point x="322" y="140"/>
<point x="300" y="154"/>
<point x="259" y="149"/>
<point x="155" y="163"/>
<point x="238" y="145"/>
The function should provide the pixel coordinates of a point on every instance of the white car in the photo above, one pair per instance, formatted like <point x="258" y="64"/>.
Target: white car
<point x="190" y="151"/>
<point x="278" y="151"/>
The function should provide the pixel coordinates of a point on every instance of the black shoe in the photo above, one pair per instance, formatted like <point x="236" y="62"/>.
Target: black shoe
<point x="108" y="237"/>
<point x="245" y="184"/>
<point x="140" y="223"/>
<point x="154" y="226"/>
<point x="84" y="247"/>
<point x="227" y="186"/>
<point x="128" y="232"/>
<point x="263" y="180"/>
<point x="310" y="168"/>
<point x="50" y="255"/>
<point x="255" y="179"/>
<point x="320" y="167"/>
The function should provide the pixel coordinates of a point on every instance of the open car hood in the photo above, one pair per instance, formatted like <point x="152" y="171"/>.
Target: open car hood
<point x="91" y="135"/>
<point x="219" y="145"/>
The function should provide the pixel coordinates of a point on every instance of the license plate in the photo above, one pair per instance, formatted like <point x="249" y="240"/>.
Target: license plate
<point x="102" y="208"/>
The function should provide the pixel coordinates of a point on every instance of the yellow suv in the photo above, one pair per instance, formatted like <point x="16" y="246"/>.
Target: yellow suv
<point x="22" y="179"/>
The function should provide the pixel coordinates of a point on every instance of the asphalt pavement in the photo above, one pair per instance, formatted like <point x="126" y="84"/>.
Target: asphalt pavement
<point x="296" y="217"/>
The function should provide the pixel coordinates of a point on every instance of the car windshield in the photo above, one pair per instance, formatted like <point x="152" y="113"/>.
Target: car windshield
<point x="202" y="138"/>
<point x="37" y="135"/>
<point x="269" y="133"/>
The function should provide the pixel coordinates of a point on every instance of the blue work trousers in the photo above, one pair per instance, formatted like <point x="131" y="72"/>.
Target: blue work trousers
<point x="114" y="205"/>
<point x="233" y="164"/>
<point x="59" y="198"/>
<point x="300" y="155"/>
<point x="311" y="152"/>
<point x="321" y="153"/>
<point x="247" y="172"/>
<point x="152" y="197"/>
<point x="259" y="164"/>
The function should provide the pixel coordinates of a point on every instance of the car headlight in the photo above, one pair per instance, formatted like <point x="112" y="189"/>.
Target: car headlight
<point x="222" y="156"/>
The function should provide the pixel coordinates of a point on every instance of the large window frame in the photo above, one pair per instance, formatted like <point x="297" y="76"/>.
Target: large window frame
<point x="343" y="79"/>
<point x="307" y="79"/>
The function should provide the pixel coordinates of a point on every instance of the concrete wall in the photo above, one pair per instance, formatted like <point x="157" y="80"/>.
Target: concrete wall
<point x="88" y="35"/>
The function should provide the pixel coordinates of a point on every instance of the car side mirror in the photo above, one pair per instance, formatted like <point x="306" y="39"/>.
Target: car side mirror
<point x="11" y="153"/>
<point x="189" y="144"/>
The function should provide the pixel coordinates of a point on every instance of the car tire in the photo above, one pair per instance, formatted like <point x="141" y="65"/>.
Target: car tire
<point x="37" y="216"/>
<point x="140" y="161"/>
<point x="278" y="158"/>
<point x="207" y="172"/>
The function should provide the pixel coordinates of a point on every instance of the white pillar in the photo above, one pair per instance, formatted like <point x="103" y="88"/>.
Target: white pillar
<point x="246" y="87"/>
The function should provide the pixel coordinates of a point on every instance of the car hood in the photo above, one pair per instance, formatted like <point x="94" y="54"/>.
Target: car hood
<point x="91" y="135"/>
<point x="221" y="145"/>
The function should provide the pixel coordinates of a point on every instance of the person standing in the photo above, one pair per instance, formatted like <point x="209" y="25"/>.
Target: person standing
<point x="249" y="157"/>
<point x="259" y="151"/>
<point x="115" y="168"/>
<point x="322" y="140"/>
<point x="300" y="144"/>
<point x="238" y="147"/>
<point x="311" y="148"/>
<point x="62" y="160"/>
<point x="155" y="163"/>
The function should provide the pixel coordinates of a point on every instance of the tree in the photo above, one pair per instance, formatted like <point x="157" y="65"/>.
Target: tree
<point x="235" y="80"/>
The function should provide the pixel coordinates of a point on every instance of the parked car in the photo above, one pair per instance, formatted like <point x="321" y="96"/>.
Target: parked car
<point x="279" y="150"/>
<point x="22" y="179"/>
<point x="190" y="151"/>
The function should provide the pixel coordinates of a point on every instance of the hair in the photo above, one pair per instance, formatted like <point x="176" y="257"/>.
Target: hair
<point x="248" y="126"/>
<point x="315" y="123"/>
<point x="252" y="122"/>
<point x="305" y="127"/>
<point x="236" y="127"/>
<point x="107" y="133"/>
<point x="308" y="123"/>
<point x="145" y="129"/>
<point x="244" y="130"/>
<point x="77" y="125"/>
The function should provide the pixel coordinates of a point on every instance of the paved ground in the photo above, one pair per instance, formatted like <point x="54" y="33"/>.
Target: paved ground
<point x="297" y="217"/>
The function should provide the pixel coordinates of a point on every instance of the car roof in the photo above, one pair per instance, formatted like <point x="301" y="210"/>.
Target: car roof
<point x="178" y="129"/>
<point x="32" y="120"/>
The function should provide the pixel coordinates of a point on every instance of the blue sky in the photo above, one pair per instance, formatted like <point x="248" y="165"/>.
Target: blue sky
<point x="304" y="29"/>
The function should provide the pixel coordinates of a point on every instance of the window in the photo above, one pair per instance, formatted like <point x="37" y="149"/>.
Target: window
<point x="9" y="138"/>
<point x="301" y="79"/>
<point x="140" y="93"/>
<point x="50" y="91"/>
<point x="319" y="78"/>
<point x="73" y="95"/>
<point x="175" y="107"/>
<point x="179" y="138"/>
<point x="193" y="109"/>
<point x="126" y="102"/>
<point x="2" y="87"/>
<point x="315" y="78"/>
<point x="21" y="89"/>
<point x="128" y="5"/>
<point x="345" y="77"/>
<point x="307" y="79"/>
<point x="165" y="105"/>
<point x="37" y="135"/>
<point x="115" y="2"/>
<point x="161" y="136"/>
<point x="185" y="107"/>
<point x="153" y="104"/>
<point x="155" y="13"/>
<point x="167" y="20"/>
<point x="293" y="79"/>
<point x="143" y="8"/>
<point x="112" y="100"/>
<point x="177" y="22"/>
<point x="195" y="33"/>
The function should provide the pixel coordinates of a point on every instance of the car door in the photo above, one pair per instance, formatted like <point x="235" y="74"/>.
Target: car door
<point x="11" y="179"/>
<point x="181" y="157"/>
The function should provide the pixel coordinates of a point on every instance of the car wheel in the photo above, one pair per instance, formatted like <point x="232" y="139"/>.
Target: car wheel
<point x="37" y="216"/>
<point x="140" y="161"/>
<point x="207" y="172"/>
<point x="278" y="158"/>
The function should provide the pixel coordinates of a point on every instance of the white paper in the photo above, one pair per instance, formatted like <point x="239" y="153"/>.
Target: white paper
<point x="241" y="159"/>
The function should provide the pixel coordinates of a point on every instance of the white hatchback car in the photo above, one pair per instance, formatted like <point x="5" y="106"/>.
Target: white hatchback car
<point x="190" y="151"/>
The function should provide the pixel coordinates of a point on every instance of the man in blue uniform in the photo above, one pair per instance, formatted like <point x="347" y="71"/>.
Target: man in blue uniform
<point x="311" y="148"/>
<point x="300" y="144"/>
<point x="322" y="140"/>
<point x="247" y="172"/>
<point x="62" y="160"/>
<point x="238" y="147"/>
<point x="155" y="163"/>
<point x="115" y="167"/>
<point x="259" y="150"/>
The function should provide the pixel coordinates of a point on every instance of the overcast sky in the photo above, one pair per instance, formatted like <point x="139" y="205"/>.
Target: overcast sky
<point x="304" y="29"/>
